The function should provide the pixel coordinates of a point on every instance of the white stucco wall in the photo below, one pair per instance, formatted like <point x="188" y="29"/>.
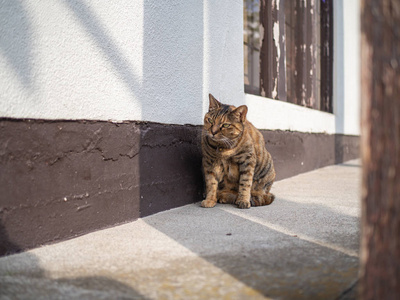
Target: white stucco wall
<point x="152" y="61"/>
<point x="120" y="60"/>
<point x="346" y="92"/>
<point x="70" y="59"/>
<point x="278" y="115"/>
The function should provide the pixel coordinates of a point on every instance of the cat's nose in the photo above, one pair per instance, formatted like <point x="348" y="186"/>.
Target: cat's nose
<point x="214" y="130"/>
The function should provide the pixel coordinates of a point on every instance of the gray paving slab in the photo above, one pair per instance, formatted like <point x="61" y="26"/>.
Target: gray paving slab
<point x="303" y="246"/>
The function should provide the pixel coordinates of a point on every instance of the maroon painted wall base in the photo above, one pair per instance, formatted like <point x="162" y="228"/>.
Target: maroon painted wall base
<point x="61" y="179"/>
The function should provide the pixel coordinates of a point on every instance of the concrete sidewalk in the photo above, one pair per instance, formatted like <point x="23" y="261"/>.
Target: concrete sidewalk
<point x="303" y="246"/>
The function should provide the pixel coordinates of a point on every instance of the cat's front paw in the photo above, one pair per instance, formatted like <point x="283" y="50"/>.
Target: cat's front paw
<point x="243" y="204"/>
<point x="208" y="203"/>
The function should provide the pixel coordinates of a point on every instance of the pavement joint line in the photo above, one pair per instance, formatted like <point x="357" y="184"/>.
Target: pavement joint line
<point x="348" y="291"/>
<point x="304" y="246"/>
<point x="283" y="230"/>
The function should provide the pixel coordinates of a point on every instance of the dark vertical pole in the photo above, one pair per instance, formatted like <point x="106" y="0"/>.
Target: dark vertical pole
<point x="305" y="69"/>
<point x="380" y="94"/>
<point x="311" y="54"/>
<point x="300" y="53"/>
<point x="266" y="62"/>
<point x="326" y="55"/>
<point x="270" y="49"/>
<point x="306" y="46"/>
<point x="282" y="95"/>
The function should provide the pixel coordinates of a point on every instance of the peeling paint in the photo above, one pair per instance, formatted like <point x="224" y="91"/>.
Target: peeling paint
<point x="270" y="49"/>
<point x="276" y="35"/>
<point x="274" y="91"/>
<point x="82" y="207"/>
<point x="276" y="41"/>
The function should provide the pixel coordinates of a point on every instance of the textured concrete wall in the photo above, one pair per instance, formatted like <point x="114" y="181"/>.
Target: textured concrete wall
<point x="60" y="179"/>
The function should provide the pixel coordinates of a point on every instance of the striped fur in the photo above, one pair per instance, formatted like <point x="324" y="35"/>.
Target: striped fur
<point x="238" y="169"/>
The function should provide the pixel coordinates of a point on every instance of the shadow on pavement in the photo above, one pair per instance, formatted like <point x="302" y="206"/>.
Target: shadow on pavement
<point x="21" y="277"/>
<point x="275" y="263"/>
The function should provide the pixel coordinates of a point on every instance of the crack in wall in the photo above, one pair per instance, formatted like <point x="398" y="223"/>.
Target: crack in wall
<point x="77" y="176"/>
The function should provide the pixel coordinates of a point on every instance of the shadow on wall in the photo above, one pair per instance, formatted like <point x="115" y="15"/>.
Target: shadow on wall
<point x="69" y="178"/>
<point x="171" y="72"/>
<point x="106" y="45"/>
<point x="339" y="82"/>
<point x="17" y="36"/>
<point x="170" y="167"/>
<point x="170" y="158"/>
<point x="172" y="53"/>
<point x="75" y="177"/>
<point x="6" y="245"/>
<point x="78" y="177"/>
<point x="346" y="148"/>
<point x="173" y="60"/>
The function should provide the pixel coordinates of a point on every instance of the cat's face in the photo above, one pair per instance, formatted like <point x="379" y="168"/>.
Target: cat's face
<point x="224" y="123"/>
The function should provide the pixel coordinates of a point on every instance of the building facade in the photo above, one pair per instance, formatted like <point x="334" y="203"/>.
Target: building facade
<point x="101" y="106"/>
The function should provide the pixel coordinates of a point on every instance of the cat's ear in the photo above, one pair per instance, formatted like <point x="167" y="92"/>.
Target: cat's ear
<point x="241" y="113"/>
<point x="214" y="103"/>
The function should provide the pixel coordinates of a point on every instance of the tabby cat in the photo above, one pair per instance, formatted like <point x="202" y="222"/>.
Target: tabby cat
<point x="237" y="167"/>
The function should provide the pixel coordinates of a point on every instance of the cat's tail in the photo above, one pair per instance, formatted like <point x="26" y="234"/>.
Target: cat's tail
<point x="260" y="200"/>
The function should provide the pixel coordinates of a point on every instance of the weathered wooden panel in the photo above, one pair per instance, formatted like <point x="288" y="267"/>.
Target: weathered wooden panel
<point x="268" y="54"/>
<point x="293" y="65"/>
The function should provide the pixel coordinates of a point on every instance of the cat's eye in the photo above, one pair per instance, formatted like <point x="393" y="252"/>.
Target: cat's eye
<point x="210" y="121"/>
<point x="226" y="125"/>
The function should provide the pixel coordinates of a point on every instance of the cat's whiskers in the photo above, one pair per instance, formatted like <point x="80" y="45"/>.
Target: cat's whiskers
<point x="224" y="141"/>
<point x="227" y="142"/>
